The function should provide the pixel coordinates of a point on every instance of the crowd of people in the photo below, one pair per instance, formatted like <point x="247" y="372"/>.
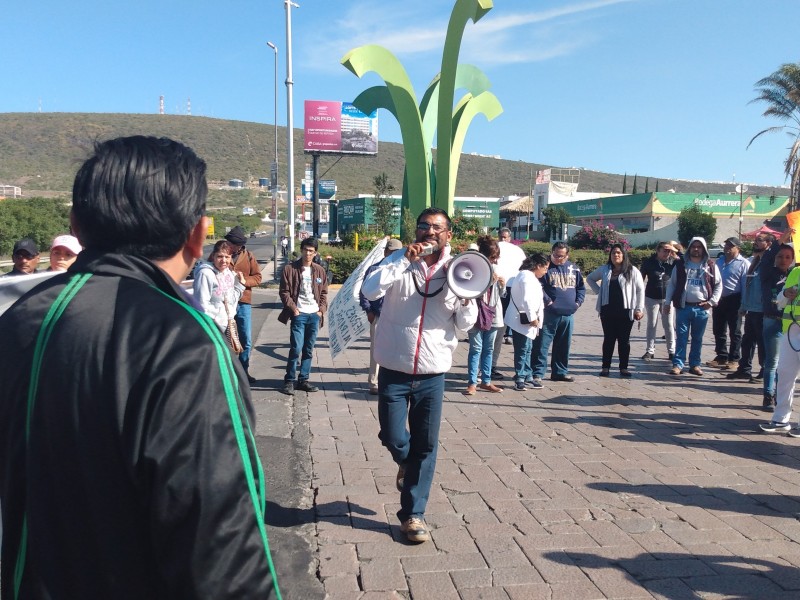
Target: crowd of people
<point x="121" y="290"/>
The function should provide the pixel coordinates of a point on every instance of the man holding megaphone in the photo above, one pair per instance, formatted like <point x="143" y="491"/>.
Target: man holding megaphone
<point x="414" y="344"/>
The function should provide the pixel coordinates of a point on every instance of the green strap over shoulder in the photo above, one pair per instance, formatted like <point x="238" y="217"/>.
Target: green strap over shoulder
<point x="48" y="324"/>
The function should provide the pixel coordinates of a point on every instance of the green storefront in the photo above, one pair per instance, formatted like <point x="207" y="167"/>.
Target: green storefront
<point x="352" y="212"/>
<point x="639" y="212"/>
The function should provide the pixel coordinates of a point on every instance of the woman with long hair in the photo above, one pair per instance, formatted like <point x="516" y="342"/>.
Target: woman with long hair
<point x="217" y="288"/>
<point x="481" y="342"/>
<point x="620" y="302"/>
<point x="771" y="287"/>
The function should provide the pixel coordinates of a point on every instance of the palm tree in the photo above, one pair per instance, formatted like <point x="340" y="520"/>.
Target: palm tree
<point x="781" y="92"/>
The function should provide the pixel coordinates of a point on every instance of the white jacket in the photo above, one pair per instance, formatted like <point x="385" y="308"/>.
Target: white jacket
<point x="526" y="296"/>
<point x="415" y="334"/>
<point x="211" y="286"/>
<point x="632" y="288"/>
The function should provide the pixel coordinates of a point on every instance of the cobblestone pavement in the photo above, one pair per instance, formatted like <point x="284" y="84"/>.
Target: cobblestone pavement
<point x="655" y="487"/>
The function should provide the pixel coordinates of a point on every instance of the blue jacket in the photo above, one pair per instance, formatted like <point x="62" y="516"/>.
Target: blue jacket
<point x="563" y="288"/>
<point x="373" y="306"/>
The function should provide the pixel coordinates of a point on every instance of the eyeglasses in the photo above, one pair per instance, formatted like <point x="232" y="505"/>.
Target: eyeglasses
<point x="558" y="256"/>
<point x="423" y="226"/>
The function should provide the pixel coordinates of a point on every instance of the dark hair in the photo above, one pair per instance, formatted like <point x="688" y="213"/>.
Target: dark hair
<point x="310" y="241"/>
<point x="487" y="246"/>
<point x="626" y="261"/>
<point x="220" y="245"/>
<point x="785" y="247"/>
<point x="434" y="211"/>
<point x="537" y="259"/>
<point x="139" y="195"/>
<point x="560" y="246"/>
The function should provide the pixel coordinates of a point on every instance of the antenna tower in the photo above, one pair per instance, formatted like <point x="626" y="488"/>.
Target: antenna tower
<point x="161" y="105"/>
<point x="189" y="106"/>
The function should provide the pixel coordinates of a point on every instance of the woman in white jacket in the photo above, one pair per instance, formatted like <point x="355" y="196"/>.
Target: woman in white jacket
<point x="216" y="284"/>
<point x="525" y="315"/>
<point x="620" y="301"/>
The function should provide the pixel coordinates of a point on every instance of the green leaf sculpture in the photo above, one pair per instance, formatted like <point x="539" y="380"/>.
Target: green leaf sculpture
<point x="424" y="184"/>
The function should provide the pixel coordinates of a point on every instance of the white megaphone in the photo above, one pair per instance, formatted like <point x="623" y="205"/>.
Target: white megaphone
<point x="469" y="274"/>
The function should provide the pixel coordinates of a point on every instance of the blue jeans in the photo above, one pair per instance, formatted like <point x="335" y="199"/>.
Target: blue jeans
<point x="556" y="330"/>
<point x="301" y="345"/>
<point x="481" y="348"/>
<point x="694" y="319"/>
<point x="772" y="339"/>
<point x="417" y="398"/>
<point x="522" y="357"/>
<point x="243" y="325"/>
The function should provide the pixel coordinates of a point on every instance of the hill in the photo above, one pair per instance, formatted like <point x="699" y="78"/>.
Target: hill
<point x="41" y="152"/>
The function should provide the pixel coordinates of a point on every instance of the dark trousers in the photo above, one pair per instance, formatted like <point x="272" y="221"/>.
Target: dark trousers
<point x="725" y="320"/>
<point x="504" y="300"/>
<point x="752" y="338"/>
<point x="616" y="331"/>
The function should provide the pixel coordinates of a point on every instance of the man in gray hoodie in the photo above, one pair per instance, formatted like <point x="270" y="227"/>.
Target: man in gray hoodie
<point x="694" y="288"/>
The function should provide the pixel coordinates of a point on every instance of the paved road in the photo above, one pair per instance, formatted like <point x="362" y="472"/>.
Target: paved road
<point x="657" y="487"/>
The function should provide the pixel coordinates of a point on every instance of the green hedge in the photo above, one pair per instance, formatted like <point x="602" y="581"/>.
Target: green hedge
<point x="345" y="260"/>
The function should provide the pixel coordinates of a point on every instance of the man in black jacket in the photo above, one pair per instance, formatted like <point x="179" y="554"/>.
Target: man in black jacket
<point x="128" y="467"/>
<point x="656" y="271"/>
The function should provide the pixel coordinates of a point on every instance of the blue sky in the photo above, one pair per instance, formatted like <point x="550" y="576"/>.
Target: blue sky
<point x="658" y="88"/>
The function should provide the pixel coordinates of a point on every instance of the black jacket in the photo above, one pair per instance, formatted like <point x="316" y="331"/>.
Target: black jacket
<point x="656" y="275"/>
<point x="140" y="477"/>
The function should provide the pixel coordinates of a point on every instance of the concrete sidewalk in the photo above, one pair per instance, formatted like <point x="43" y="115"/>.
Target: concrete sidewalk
<point x="655" y="487"/>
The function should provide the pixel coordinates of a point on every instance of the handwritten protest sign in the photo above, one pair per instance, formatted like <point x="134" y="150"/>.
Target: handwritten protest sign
<point x="346" y="321"/>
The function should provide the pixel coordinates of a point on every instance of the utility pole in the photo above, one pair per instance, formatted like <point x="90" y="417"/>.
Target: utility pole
<point x="273" y="183"/>
<point x="290" y="121"/>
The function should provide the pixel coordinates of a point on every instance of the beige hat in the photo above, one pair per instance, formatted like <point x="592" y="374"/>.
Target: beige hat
<point x="394" y="244"/>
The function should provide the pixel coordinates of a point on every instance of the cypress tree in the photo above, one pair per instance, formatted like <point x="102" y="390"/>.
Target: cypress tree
<point x="634" y="185"/>
<point x="625" y="184"/>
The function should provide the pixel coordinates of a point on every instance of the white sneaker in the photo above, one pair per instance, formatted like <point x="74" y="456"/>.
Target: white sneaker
<point x="775" y="427"/>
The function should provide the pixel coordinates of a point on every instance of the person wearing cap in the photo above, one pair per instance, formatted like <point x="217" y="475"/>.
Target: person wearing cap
<point x="63" y="252"/>
<point x="373" y="310"/>
<point x="656" y="271"/>
<point x="245" y="263"/>
<point x="725" y="319"/>
<point x="762" y="261"/>
<point x="25" y="257"/>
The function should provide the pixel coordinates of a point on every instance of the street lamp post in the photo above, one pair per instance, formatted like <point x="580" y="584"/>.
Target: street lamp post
<point x="290" y="121"/>
<point x="274" y="184"/>
<point x="741" y="188"/>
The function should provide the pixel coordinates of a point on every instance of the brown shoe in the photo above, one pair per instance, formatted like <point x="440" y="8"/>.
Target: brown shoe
<point x="415" y="529"/>
<point x="674" y="371"/>
<point x="696" y="371"/>
<point x="717" y="364"/>
<point x="490" y="387"/>
<point x="471" y="389"/>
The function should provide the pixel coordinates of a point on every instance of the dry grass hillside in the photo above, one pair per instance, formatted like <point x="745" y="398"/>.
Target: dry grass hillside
<point x="41" y="152"/>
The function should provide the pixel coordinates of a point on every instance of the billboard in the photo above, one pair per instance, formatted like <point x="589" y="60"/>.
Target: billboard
<point x="339" y="128"/>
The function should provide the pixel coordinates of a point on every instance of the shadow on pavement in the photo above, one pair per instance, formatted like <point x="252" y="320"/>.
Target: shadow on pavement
<point x="678" y="576"/>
